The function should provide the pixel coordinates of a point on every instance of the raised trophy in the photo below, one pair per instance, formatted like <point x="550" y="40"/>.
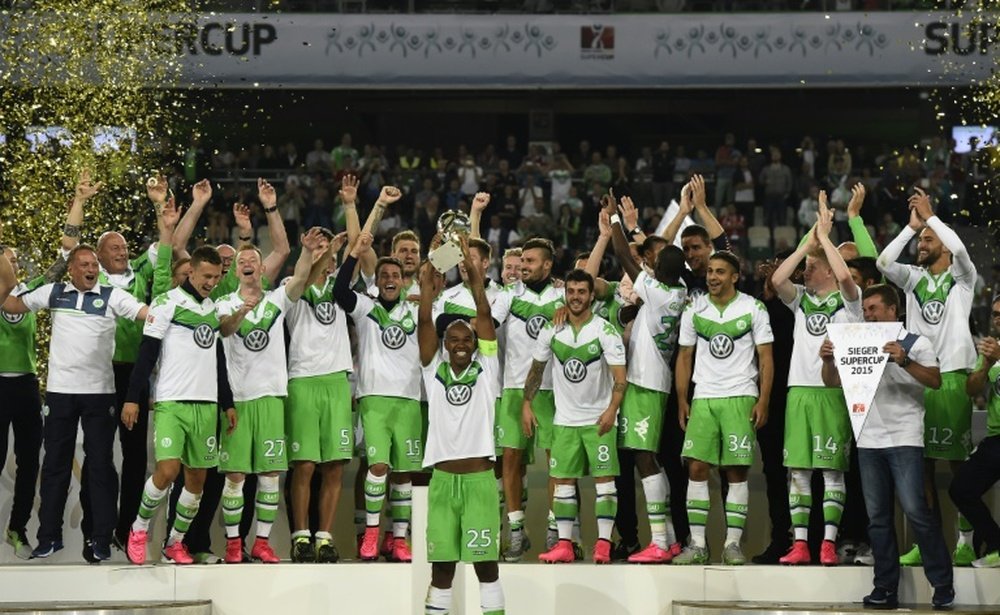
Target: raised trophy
<point x="452" y="227"/>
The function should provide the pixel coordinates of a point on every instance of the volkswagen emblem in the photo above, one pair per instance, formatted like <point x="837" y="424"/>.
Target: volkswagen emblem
<point x="535" y="325"/>
<point x="574" y="370"/>
<point x="325" y="312"/>
<point x="933" y="311"/>
<point x="256" y="340"/>
<point x="816" y="323"/>
<point x="458" y="394"/>
<point x="721" y="346"/>
<point x="394" y="337"/>
<point x="12" y="318"/>
<point x="204" y="336"/>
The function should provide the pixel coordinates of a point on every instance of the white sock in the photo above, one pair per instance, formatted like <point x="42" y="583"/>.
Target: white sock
<point x="185" y="511"/>
<point x="266" y="505"/>
<point x="607" y="496"/>
<point x="799" y="486"/>
<point x="565" y="494"/>
<point x="736" y="511"/>
<point x="491" y="597"/>
<point x="834" y="494"/>
<point x="438" y="601"/>
<point x="232" y="490"/>
<point x="152" y="497"/>
<point x="660" y="526"/>
<point x="698" y="506"/>
<point x="324" y="536"/>
<point x="372" y="518"/>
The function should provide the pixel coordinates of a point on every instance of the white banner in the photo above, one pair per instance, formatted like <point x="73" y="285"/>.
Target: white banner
<point x="673" y="210"/>
<point x="573" y="51"/>
<point x="857" y="351"/>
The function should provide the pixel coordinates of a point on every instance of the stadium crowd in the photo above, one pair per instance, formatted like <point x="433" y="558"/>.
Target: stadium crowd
<point x="667" y="364"/>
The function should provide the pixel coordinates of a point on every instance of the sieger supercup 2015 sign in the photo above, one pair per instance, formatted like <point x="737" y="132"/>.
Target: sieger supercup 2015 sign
<point x="857" y="351"/>
<point x="547" y="51"/>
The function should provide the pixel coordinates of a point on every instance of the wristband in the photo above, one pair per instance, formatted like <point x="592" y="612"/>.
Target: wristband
<point x="615" y="219"/>
<point x="270" y="210"/>
<point x="906" y="360"/>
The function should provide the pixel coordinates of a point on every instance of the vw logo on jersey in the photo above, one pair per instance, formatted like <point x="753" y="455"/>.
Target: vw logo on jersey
<point x="458" y="394"/>
<point x="721" y="345"/>
<point x="325" y="312"/>
<point x="933" y="311"/>
<point x="574" y="370"/>
<point x="394" y="337"/>
<point x="535" y="325"/>
<point x="256" y="340"/>
<point x="204" y="336"/>
<point x="12" y="318"/>
<point x="816" y="323"/>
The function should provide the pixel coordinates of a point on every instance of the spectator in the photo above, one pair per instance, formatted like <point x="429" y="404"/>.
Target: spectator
<point x="809" y="210"/>
<point x="582" y="157"/>
<point x="561" y="178"/>
<point x="318" y="160"/>
<point x="470" y="175"/>
<point x="452" y="195"/>
<point x="290" y="158"/>
<point x="530" y="199"/>
<point x="511" y="153"/>
<point x="734" y="224"/>
<point x="744" y="195"/>
<point x="569" y="227"/>
<point x="726" y="157"/>
<point x="665" y="175"/>
<point x="682" y="167"/>
<point x="597" y="172"/>
<point x="342" y="151"/>
<point x="777" y="181"/>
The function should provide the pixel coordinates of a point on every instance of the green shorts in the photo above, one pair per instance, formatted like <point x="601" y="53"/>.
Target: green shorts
<point x="257" y="445"/>
<point x="579" y="452"/>
<point x="393" y="428"/>
<point x="463" y="517"/>
<point x="640" y="420"/>
<point x="187" y="431"/>
<point x="719" y="431"/>
<point x="509" y="433"/>
<point x="817" y="429"/>
<point x="948" y="419"/>
<point x="318" y="418"/>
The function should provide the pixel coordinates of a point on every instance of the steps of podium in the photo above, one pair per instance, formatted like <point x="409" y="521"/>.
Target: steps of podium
<point x="190" y="607"/>
<point x="808" y="608"/>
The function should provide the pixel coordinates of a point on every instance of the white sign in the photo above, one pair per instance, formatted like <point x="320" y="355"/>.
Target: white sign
<point x="857" y="351"/>
<point x="723" y="50"/>
<point x="673" y="210"/>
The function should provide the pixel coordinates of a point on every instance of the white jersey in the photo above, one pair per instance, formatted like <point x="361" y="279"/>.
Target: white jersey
<point x="896" y="415"/>
<point x="461" y="407"/>
<point x="812" y="314"/>
<point x="318" y="343"/>
<point x="255" y="353"/>
<point x="458" y="300"/>
<point x="388" y="353"/>
<point x="188" y="328"/>
<point x="524" y="314"/>
<point x="725" y="362"/>
<point x="937" y="306"/>
<point x="83" y="334"/>
<point x="654" y="333"/>
<point x="580" y="374"/>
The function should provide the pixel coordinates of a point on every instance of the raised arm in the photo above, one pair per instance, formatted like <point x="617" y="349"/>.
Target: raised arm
<point x="479" y="203"/>
<point x="201" y="194"/>
<point x="886" y="261"/>
<point x="622" y="251"/>
<point x="426" y="333"/>
<point x="823" y="227"/>
<point x="708" y="220"/>
<point x="387" y="196"/>
<point x="296" y="285"/>
<point x="630" y="219"/>
<point x="686" y="208"/>
<point x="85" y="189"/>
<point x="859" y="232"/>
<point x="276" y="227"/>
<point x="485" y="329"/>
<point x="166" y="220"/>
<point x="342" y="293"/>
<point x="781" y="279"/>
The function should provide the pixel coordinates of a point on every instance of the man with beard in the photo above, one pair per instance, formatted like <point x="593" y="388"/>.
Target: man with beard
<point x="589" y="380"/>
<point x="388" y="393"/>
<point x="524" y="309"/>
<point x="939" y="291"/>
<point x="725" y="348"/>
<point x="181" y="340"/>
<point x="978" y="475"/>
<point x="462" y="393"/>
<point x="251" y="325"/>
<point x="817" y="429"/>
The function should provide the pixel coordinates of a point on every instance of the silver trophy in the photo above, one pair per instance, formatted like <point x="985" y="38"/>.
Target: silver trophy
<point x="452" y="227"/>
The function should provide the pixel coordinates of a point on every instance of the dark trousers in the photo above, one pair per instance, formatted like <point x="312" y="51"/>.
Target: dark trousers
<point x="134" y="458"/>
<point x="974" y="478"/>
<point x="669" y="457"/>
<point x="96" y="412"/>
<point x="885" y="474"/>
<point x="21" y="409"/>
<point x="771" y="440"/>
<point x="854" y="524"/>
<point x="626" y="520"/>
